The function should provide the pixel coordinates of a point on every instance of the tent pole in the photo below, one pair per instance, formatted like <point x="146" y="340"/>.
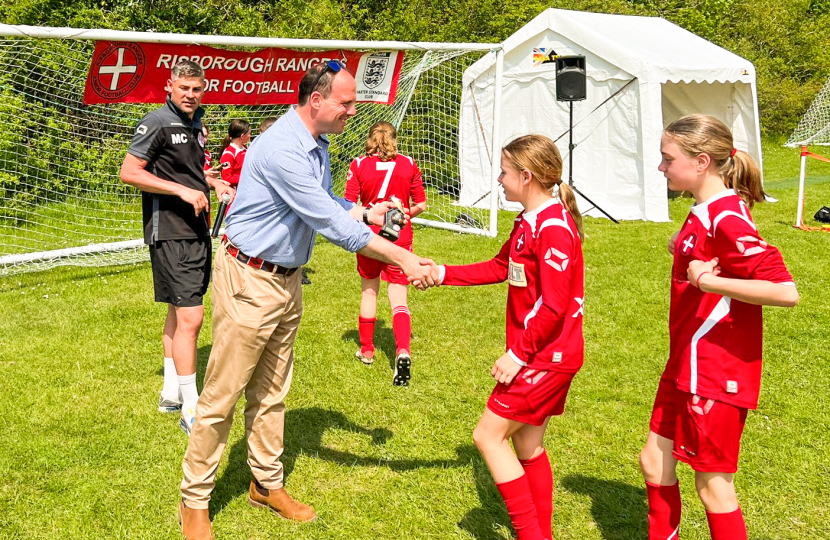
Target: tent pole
<point x="495" y="161"/>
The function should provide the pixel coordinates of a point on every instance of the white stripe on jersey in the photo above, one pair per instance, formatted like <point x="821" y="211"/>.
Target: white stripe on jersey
<point x="359" y="159"/>
<point x="412" y="161"/>
<point x="721" y="310"/>
<point x="533" y="311"/>
<point x="556" y="222"/>
<point x="727" y="213"/>
<point x="673" y="536"/>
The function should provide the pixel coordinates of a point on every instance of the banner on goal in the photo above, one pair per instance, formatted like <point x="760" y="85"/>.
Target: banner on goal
<point x="124" y="72"/>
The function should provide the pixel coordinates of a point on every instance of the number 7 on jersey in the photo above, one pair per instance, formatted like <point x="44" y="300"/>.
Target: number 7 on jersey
<point x="387" y="166"/>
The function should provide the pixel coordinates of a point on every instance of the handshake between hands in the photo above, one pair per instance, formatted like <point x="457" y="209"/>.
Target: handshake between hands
<point x="425" y="275"/>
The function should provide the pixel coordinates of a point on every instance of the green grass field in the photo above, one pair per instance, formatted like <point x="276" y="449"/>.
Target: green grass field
<point x="85" y="455"/>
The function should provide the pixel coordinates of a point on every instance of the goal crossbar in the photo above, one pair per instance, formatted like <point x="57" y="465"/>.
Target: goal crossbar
<point x="43" y="32"/>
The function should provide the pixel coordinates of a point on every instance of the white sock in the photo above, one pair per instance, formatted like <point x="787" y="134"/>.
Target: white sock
<point x="170" y="389"/>
<point x="190" y="395"/>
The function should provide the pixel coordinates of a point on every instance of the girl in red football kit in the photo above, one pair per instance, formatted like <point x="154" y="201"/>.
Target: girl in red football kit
<point x="542" y="261"/>
<point x="377" y="176"/>
<point x="723" y="273"/>
<point x="234" y="146"/>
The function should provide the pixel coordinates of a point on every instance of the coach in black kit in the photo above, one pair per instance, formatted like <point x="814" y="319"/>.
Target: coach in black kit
<point x="166" y="161"/>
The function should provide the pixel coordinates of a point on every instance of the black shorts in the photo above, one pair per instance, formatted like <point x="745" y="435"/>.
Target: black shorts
<point x="181" y="271"/>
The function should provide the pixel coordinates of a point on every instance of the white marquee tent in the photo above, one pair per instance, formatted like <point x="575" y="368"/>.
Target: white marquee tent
<point x="656" y="73"/>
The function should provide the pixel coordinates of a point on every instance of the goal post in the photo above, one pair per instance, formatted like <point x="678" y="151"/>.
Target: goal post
<point x="61" y="198"/>
<point x="813" y="130"/>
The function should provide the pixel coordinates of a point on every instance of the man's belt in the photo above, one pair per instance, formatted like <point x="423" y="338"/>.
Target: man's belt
<point x="259" y="264"/>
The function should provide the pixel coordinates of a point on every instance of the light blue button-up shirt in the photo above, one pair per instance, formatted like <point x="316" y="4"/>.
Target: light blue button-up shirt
<point x="284" y="198"/>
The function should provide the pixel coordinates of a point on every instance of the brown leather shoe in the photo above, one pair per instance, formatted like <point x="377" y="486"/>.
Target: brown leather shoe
<point x="280" y="502"/>
<point x="195" y="523"/>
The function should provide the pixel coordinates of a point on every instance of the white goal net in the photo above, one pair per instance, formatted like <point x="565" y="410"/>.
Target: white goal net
<point x="62" y="199"/>
<point x="814" y="127"/>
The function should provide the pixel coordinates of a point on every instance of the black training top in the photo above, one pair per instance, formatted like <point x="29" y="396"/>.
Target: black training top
<point x="173" y="146"/>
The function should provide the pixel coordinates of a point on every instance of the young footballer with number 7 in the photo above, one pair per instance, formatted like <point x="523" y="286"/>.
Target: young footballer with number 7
<point x="379" y="175"/>
<point x="542" y="262"/>
<point x="723" y="273"/>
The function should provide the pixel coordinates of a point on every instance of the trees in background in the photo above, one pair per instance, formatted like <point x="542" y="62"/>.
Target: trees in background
<point x="789" y="42"/>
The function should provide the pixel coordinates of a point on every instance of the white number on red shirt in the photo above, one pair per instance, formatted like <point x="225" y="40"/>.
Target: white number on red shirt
<point x="387" y="166"/>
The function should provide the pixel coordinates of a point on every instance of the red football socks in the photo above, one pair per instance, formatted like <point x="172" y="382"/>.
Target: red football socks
<point x="663" y="511"/>
<point x="366" y="328"/>
<point x="728" y="526"/>
<point x="402" y="327"/>
<point x="520" y="508"/>
<point x="540" y="477"/>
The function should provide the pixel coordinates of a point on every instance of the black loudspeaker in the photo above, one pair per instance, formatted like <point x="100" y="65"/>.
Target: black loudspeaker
<point x="570" y="78"/>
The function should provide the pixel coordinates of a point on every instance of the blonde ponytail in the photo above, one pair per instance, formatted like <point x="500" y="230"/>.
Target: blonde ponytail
<point x="566" y="195"/>
<point x="742" y="174"/>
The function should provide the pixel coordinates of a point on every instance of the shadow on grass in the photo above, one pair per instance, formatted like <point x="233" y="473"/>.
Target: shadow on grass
<point x="384" y="340"/>
<point x="620" y="510"/>
<point x="304" y="429"/>
<point x="485" y="522"/>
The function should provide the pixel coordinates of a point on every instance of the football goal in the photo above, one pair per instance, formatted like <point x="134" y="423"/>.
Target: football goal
<point x="812" y="130"/>
<point x="62" y="201"/>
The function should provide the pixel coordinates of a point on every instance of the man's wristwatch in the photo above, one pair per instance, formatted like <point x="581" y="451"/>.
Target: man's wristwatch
<point x="366" y="216"/>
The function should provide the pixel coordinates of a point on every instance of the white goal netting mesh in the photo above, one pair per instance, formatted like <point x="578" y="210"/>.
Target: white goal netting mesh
<point x="814" y="127"/>
<point x="62" y="199"/>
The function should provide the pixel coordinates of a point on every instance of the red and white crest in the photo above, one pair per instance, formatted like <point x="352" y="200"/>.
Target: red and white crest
<point x="556" y="259"/>
<point x="750" y="245"/>
<point x="118" y="70"/>
<point x="520" y="242"/>
<point x="688" y="244"/>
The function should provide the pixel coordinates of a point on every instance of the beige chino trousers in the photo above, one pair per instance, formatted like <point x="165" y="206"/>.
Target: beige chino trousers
<point x="255" y="319"/>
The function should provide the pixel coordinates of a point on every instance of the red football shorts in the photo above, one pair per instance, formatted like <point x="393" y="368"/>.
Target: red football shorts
<point x="706" y="433"/>
<point x="532" y="396"/>
<point x="372" y="268"/>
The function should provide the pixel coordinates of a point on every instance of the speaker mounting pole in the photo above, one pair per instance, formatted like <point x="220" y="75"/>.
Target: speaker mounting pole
<point x="571" y="145"/>
<point x="571" y="85"/>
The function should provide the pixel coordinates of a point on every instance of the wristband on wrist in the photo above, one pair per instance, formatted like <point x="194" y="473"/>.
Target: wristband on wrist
<point x="697" y="281"/>
<point x="366" y="216"/>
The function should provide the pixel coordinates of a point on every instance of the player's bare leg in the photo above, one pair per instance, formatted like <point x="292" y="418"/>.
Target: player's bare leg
<point x="660" y="473"/>
<point x="170" y="398"/>
<point x="402" y="327"/>
<point x="717" y="493"/>
<point x="658" y="464"/>
<point x="188" y="323"/>
<point x="366" y="322"/>
<point x="492" y="437"/>
<point x="529" y="441"/>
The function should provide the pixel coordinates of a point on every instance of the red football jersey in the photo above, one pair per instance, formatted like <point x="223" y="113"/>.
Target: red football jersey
<point x="234" y="157"/>
<point x="542" y="261"/>
<point x="371" y="180"/>
<point x="716" y="341"/>
<point x="208" y="160"/>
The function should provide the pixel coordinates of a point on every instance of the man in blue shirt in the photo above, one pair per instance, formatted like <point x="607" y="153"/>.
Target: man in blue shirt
<point x="284" y="199"/>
